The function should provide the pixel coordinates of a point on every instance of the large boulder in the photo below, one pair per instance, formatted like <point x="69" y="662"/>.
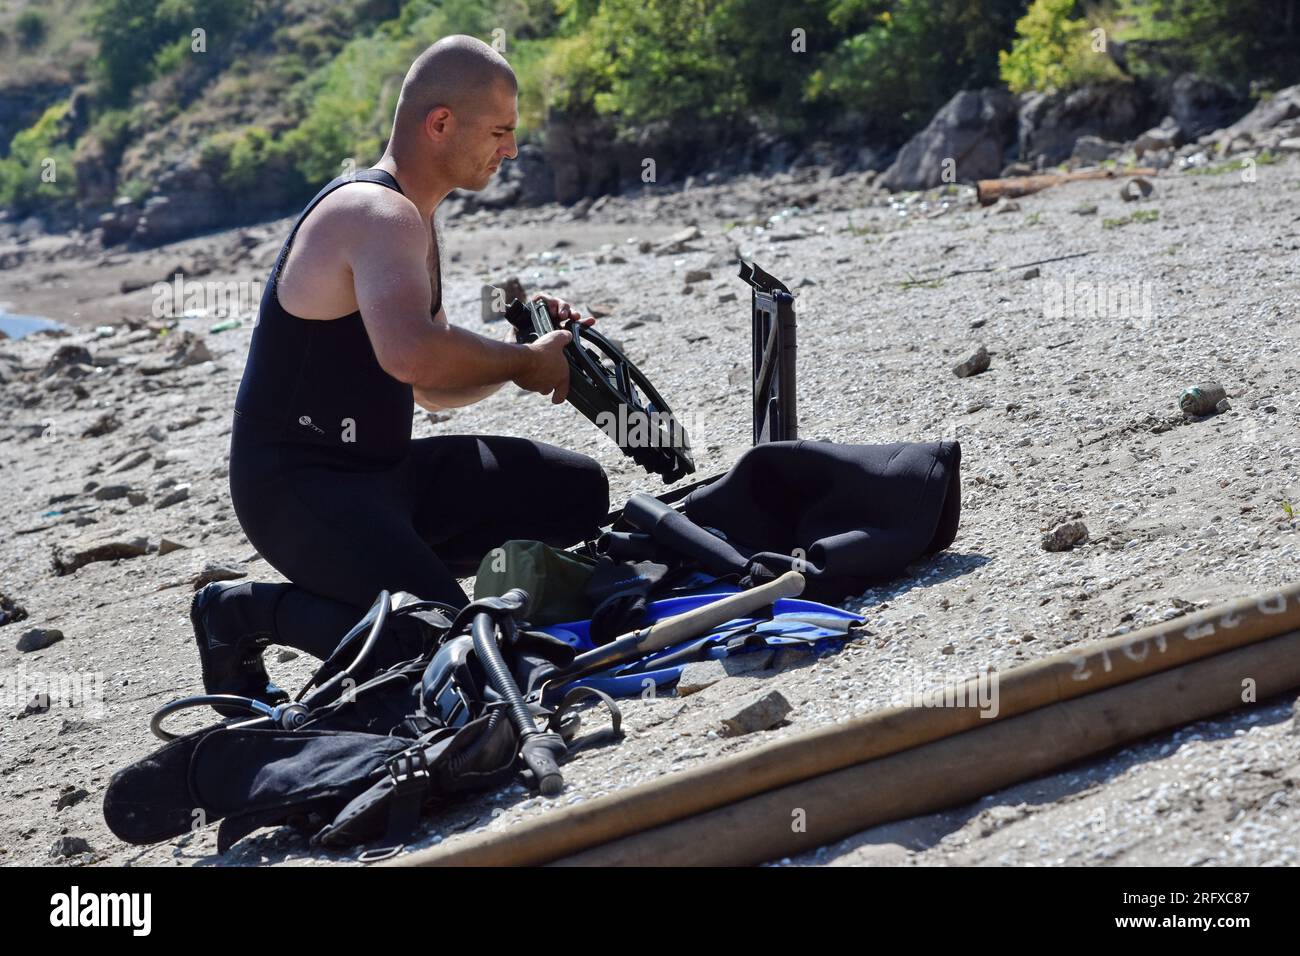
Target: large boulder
<point x="580" y="166"/>
<point x="1200" y="106"/>
<point x="1279" y="109"/>
<point x="969" y="136"/>
<point x="1051" y="123"/>
<point x="96" y="173"/>
<point x="588" y="157"/>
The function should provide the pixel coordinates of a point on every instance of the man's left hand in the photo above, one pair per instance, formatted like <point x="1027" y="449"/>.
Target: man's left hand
<point x="562" y="311"/>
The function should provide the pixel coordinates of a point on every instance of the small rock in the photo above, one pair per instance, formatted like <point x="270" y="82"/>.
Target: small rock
<point x="69" y="846"/>
<point x="677" y="242"/>
<point x="1087" y="209"/>
<point x="139" y="458"/>
<point x="111" y="492"/>
<point x="176" y="495"/>
<point x="696" y="677"/>
<point x="167" y="546"/>
<point x="65" y="356"/>
<point x="70" y="797"/>
<point x="1033" y="273"/>
<point x="948" y="649"/>
<point x="726" y="297"/>
<point x="1065" y="536"/>
<point x="977" y="363"/>
<point x="39" y="638"/>
<point x="760" y="712"/>
<point x="103" y="425"/>
<point x="96" y="546"/>
<point x="39" y="704"/>
<point x="137" y="498"/>
<point x="214" y="571"/>
<point x="284" y="656"/>
<point x="187" y="348"/>
<point x="650" y="317"/>
<point x="698" y="275"/>
<point x="1223" y="406"/>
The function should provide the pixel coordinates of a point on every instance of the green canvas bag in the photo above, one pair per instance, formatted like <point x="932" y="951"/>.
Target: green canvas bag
<point x="555" y="580"/>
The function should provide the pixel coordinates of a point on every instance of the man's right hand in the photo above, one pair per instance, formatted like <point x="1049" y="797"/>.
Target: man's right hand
<point x="547" y="370"/>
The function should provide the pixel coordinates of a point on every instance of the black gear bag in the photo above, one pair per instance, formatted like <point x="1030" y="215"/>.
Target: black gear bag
<point x="363" y="752"/>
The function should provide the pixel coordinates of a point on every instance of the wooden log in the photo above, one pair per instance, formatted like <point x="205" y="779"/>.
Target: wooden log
<point x="1041" y="683"/>
<point x="989" y="191"/>
<point x="958" y="769"/>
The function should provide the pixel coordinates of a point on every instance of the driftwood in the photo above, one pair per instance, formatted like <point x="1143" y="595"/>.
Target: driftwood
<point x="956" y="770"/>
<point x="838" y="754"/>
<point x="990" y="191"/>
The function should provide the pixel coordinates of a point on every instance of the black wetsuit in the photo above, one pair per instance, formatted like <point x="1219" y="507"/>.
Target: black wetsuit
<point x="333" y="492"/>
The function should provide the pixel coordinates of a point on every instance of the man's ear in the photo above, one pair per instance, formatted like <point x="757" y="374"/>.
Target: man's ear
<point x="437" y="122"/>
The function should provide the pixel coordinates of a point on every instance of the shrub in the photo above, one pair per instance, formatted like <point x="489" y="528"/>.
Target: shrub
<point x="898" y="63"/>
<point x="33" y="154"/>
<point x="132" y="33"/>
<point x="31" y="29"/>
<point x="1229" y="40"/>
<point x="1053" y="51"/>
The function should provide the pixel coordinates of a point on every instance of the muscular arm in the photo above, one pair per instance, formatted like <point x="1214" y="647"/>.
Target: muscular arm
<point x="387" y="256"/>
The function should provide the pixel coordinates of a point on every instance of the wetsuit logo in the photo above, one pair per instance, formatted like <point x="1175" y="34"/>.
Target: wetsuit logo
<point x="306" y="420"/>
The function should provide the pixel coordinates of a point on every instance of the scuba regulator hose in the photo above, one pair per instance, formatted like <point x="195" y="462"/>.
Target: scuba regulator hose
<point x="292" y="715"/>
<point x="539" y="749"/>
<point x="288" y="716"/>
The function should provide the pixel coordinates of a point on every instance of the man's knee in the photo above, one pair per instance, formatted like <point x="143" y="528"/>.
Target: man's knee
<point x="592" y="487"/>
<point x="578" y="489"/>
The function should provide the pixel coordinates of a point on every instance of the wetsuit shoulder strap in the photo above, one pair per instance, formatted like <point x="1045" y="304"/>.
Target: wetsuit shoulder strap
<point x="380" y="176"/>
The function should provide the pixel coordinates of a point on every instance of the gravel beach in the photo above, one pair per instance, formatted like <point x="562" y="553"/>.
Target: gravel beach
<point x="1096" y="314"/>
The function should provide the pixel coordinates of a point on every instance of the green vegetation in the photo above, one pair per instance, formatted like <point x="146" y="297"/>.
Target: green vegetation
<point x="1265" y="158"/>
<point x="136" y="37"/>
<point x="31" y="29"/>
<point x="38" y="170"/>
<point x="1141" y="215"/>
<point x="1229" y="40"/>
<point x="896" y="63"/>
<point x="288" y="91"/>
<point x="1055" y="51"/>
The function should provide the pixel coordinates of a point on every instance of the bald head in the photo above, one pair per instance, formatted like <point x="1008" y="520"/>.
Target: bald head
<point x="460" y="73"/>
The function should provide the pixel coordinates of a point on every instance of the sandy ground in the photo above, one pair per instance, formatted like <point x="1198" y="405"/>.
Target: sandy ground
<point x="1200" y="286"/>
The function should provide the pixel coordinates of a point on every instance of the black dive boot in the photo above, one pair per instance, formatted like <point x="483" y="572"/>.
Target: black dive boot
<point x="225" y="616"/>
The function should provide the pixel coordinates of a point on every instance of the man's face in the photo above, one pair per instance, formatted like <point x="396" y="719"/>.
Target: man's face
<point x="487" y="138"/>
